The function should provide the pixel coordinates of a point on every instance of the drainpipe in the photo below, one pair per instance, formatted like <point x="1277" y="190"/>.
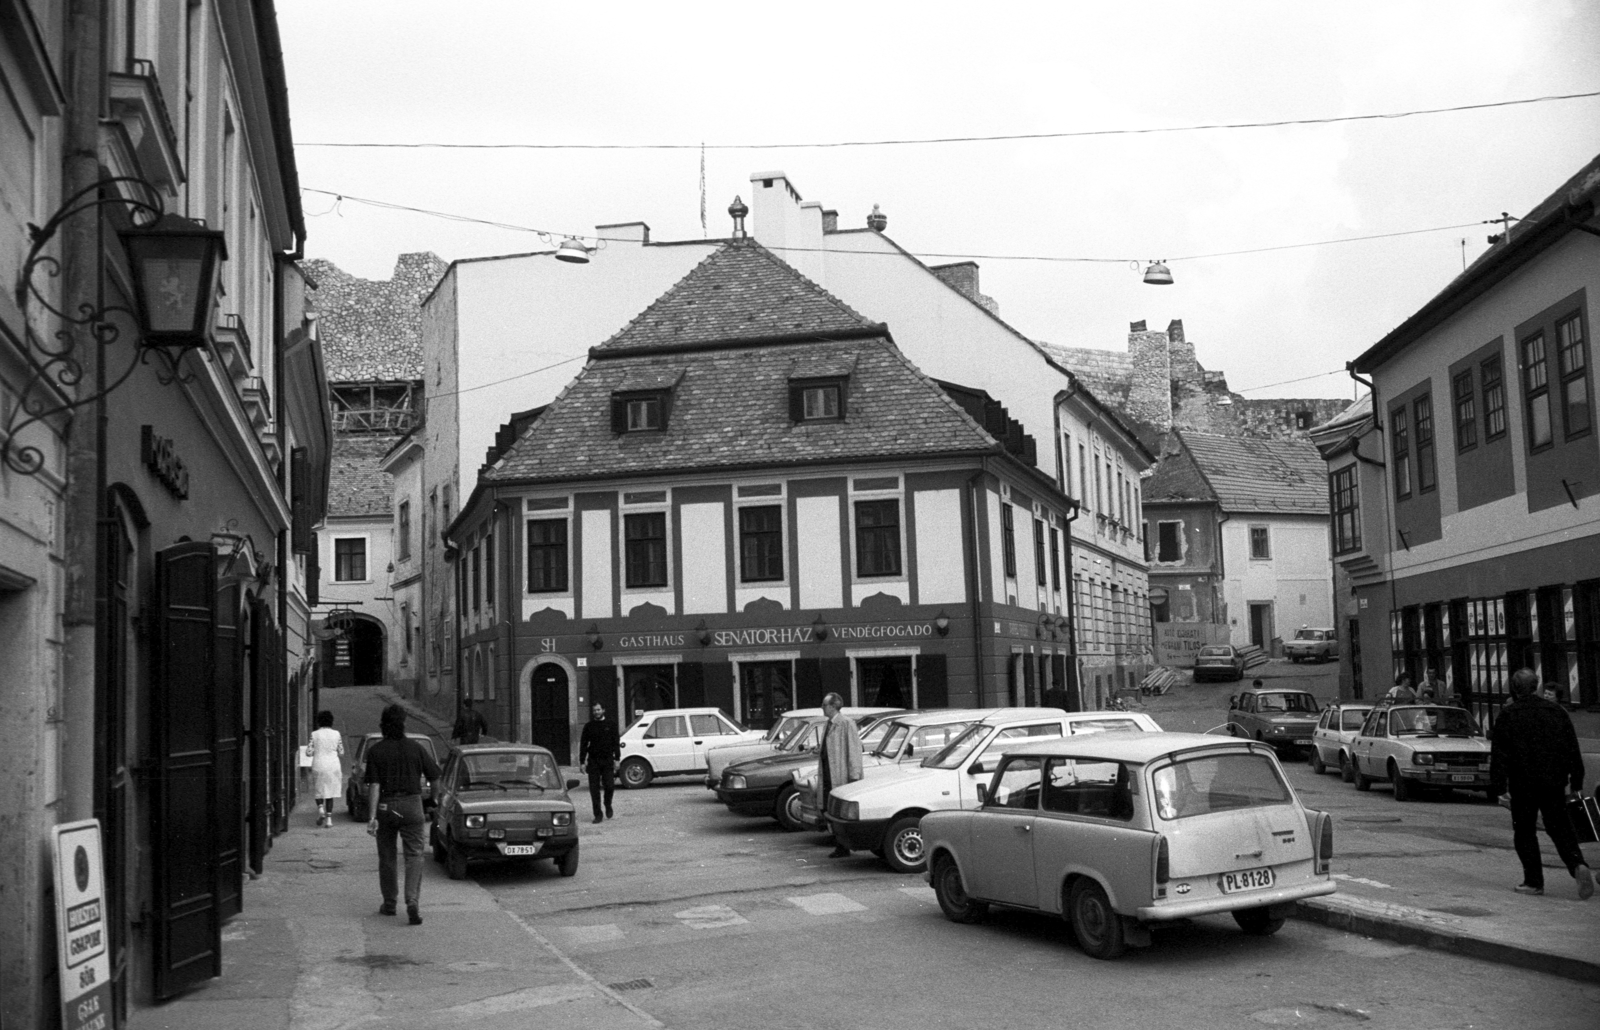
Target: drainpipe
<point x="1220" y="588"/>
<point x="975" y="568"/>
<point x="1073" y="682"/>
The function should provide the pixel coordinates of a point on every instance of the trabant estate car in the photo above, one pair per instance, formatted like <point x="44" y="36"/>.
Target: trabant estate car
<point x="675" y="742"/>
<point x="1280" y="717"/>
<point x="1312" y="644"/>
<point x="1416" y="747"/>
<point x="1330" y="741"/>
<point x="783" y="731"/>
<point x="762" y="786"/>
<point x="355" y="790"/>
<point x="884" y="814"/>
<point x="1218" y="662"/>
<point x="503" y="802"/>
<point x="1122" y="832"/>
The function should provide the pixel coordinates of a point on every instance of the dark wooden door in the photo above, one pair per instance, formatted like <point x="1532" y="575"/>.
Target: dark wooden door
<point x="227" y="675"/>
<point x="188" y="926"/>
<point x="551" y="723"/>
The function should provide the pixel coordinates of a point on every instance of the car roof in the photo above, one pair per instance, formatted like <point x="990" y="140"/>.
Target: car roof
<point x="504" y="745"/>
<point x="1005" y="715"/>
<point x="1128" y="746"/>
<point x="1276" y="690"/>
<point x="705" y="710"/>
<point x="413" y="736"/>
<point x="943" y="715"/>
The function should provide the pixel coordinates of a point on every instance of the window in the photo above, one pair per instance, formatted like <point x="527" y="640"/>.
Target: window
<point x="1427" y="471"/>
<point x="761" y="543"/>
<point x="1086" y="787"/>
<point x="477" y="577"/>
<point x="1572" y="362"/>
<point x="433" y="513"/>
<point x="1169" y="541"/>
<point x="667" y="726"/>
<point x="1083" y="474"/>
<point x="1536" y="391"/>
<point x="639" y="412"/>
<point x="1038" y="553"/>
<point x="1066" y="464"/>
<point x="1466" y="412"/>
<point x="1055" y="558"/>
<point x="488" y="570"/>
<point x="1018" y="784"/>
<point x="816" y="401"/>
<point x="1494" y="400"/>
<point x="1400" y="436"/>
<point x="1099" y="497"/>
<point x="547" y="555"/>
<point x="404" y="530"/>
<point x="349" y="559"/>
<point x="878" y="538"/>
<point x="1008" y="540"/>
<point x="1345" y="503"/>
<point x="646" y="549"/>
<point x="708" y="726"/>
<point x="1260" y="542"/>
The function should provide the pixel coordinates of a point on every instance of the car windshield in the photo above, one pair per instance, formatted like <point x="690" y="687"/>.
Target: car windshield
<point x="806" y="739"/>
<point x="1432" y="722"/>
<point x="960" y="749"/>
<point x="507" y="769"/>
<point x="1216" y="652"/>
<point x="1303" y="703"/>
<point x="1217" y="783"/>
<point x="920" y="738"/>
<point x="792" y="732"/>
<point x="872" y="735"/>
<point x="783" y="729"/>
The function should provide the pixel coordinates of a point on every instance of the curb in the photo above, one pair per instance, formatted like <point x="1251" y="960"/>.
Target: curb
<point x="1389" y="923"/>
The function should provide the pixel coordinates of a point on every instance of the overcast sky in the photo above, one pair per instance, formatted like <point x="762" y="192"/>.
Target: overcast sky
<point x="398" y="71"/>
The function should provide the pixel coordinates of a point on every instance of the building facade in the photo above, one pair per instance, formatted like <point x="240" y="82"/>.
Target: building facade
<point x="1481" y="552"/>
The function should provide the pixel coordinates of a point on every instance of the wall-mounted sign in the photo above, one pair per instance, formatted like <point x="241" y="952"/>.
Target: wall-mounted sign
<point x="161" y="458"/>
<point x="1177" y="643"/>
<point x="85" y="966"/>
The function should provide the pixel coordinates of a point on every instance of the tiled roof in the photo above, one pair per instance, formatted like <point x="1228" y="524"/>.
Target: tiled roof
<point x="1261" y="475"/>
<point x="372" y="330"/>
<point x="739" y="292"/>
<point x="357" y="485"/>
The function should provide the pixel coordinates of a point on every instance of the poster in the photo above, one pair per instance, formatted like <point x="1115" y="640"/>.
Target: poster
<point x="85" y="965"/>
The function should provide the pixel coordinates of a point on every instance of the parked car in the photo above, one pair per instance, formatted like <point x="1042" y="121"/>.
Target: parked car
<point x="355" y="790"/>
<point x="1312" y="644"/>
<point x="783" y="731"/>
<point x="1122" y="832"/>
<point x="503" y="802"/>
<point x="1330" y="741"/>
<point x="1282" y="717"/>
<point x="1218" y="662"/>
<point x="675" y="742"/>
<point x="1417" y="747"/>
<point x="884" y="814"/>
<point x="763" y="786"/>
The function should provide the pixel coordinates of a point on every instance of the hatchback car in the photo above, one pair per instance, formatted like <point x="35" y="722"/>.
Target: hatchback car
<point x="1218" y="662"/>
<point x="884" y="814"/>
<point x="1311" y="644"/>
<point x="675" y="742"/>
<point x="1119" y="833"/>
<point x="1330" y="741"/>
<point x="355" y="789"/>
<point x="764" y="786"/>
<point x="503" y="802"/>
<point x="1281" y="717"/>
<point x="1417" y="747"/>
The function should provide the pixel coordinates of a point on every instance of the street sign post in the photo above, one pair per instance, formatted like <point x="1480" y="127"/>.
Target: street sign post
<point x="85" y="965"/>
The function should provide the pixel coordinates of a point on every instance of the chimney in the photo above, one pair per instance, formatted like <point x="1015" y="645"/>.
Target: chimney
<point x="786" y="225"/>
<point x="1137" y="327"/>
<point x="830" y="220"/>
<point x="877" y="221"/>
<point x="1174" y="330"/>
<point x="961" y="277"/>
<point x="630" y="232"/>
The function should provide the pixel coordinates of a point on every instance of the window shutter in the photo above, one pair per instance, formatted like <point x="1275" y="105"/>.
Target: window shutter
<point x="314" y="573"/>
<point x="299" y="500"/>
<point x="933" y="682"/>
<point x="228" y="857"/>
<point x="619" y="414"/>
<point x="808" y="683"/>
<point x="797" y="401"/>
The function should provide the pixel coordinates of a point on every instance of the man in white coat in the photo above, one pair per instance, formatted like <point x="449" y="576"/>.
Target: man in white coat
<point x="840" y="760"/>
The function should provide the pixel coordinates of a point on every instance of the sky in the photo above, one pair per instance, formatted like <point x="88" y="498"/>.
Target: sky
<point x="755" y="82"/>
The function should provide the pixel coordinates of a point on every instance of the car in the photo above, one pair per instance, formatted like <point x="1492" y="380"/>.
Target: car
<point x="789" y="724"/>
<point x="884" y="814"/>
<point x="675" y="742"/>
<point x="1418" y="747"/>
<point x="355" y="789"/>
<point x="1330" y="741"/>
<point x="1119" y="833"/>
<point x="1281" y="716"/>
<point x="503" y="802"/>
<point x="1312" y="644"/>
<point x="1218" y="662"/>
<point x="763" y="786"/>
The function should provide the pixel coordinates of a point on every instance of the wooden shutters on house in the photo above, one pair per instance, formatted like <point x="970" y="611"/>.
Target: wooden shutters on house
<point x="300" y="535"/>
<point x="933" y="681"/>
<point x="229" y="736"/>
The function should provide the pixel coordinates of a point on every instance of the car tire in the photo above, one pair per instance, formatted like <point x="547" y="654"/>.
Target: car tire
<point x="455" y="861"/>
<point x="1346" y="770"/>
<point x="1318" y="766"/>
<point x="1403" y="789"/>
<point x="902" y="845"/>
<point x="787" y="810"/>
<point x="1258" y="922"/>
<point x="948" y="887"/>
<point x="567" y="865"/>
<point x="1097" y="928"/>
<point x="636" y="774"/>
<point x="1360" y="779"/>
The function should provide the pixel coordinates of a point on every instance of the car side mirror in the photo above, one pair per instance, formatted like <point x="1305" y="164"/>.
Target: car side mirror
<point x="983" y="794"/>
<point x="979" y="767"/>
<point x="572" y="784"/>
<point x="910" y="750"/>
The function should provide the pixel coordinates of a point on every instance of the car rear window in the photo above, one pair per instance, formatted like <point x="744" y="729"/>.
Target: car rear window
<point x="1083" y="726"/>
<point x="1217" y="783"/>
<point x="1216" y="652"/>
<point x="1287" y="703"/>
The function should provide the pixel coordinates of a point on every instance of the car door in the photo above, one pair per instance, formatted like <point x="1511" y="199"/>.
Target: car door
<point x="667" y="744"/>
<point x="1087" y="824"/>
<point x="1361" y="748"/>
<point x="707" y="731"/>
<point x="448" y="789"/>
<point x="1239" y="719"/>
<point x="999" y="866"/>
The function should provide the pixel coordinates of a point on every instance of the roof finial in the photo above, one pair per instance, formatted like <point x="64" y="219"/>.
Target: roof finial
<point x="738" y="210"/>
<point x="877" y="221"/>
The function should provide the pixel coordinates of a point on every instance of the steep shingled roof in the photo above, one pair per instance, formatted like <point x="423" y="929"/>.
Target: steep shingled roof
<point x="357" y="484"/>
<point x="372" y="330"/>
<point x="1261" y="475"/>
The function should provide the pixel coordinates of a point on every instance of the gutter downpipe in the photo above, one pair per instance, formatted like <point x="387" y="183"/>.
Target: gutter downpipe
<point x="1388" y="504"/>
<point x="1074" y="680"/>
<point x="975" y="568"/>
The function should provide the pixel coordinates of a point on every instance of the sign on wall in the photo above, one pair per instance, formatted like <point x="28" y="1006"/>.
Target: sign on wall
<point x="1177" y="643"/>
<point x="85" y="965"/>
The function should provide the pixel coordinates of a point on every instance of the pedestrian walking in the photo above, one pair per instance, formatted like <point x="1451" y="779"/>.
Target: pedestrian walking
<point x="327" y="771"/>
<point x="470" y="724"/>
<point x="1430" y="690"/>
<point x="1534" y="754"/>
<point x="839" y="762"/>
<point x="1401" y="693"/>
<point x="396" y="766"/>
<point x="598" y="751"/>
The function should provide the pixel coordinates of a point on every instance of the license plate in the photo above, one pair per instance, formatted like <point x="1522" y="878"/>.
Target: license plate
<point x="1247" y="880"/>
<point x="1303" y="741"/>
<point x="519" y="849"/>
<point x="1462" y="778"/>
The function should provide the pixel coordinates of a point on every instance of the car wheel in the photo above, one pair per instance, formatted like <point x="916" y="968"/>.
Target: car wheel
<point x="787" y="810"/>
<point x="1258" y="922"/>
<point x="1346" y="773"/>
<point x="1097" y="927"/>
<point x="1317" y="765"/>
<point x="567" y="865"/>
<point x="455" y="861"/>
<point x="1360" y="779"/>
<point x="902" y="845"/>
<point x="952" y="893"/>
<point x="1403" y="790"/>
<point x="636" y="773"/>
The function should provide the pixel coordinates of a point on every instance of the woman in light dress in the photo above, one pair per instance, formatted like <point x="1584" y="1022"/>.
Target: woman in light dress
<point x="327" y="771"/>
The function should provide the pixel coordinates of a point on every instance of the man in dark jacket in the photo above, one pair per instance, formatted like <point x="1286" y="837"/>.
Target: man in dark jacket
<point x="598" y="751"/>
<point x="395" y="767"/>
<point x="470" y="724"/>
<point x="1534" y="752"/>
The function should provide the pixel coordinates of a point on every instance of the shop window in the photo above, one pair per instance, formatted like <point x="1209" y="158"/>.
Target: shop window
<point x="349" y="559"/>
<point x="1572" y="363"/>
<point x="1260" y="543"/>
<point x="878" y="538"/>
<point x="1345" y="503"/>
<point x="1427" y="470"/>
<point x="760" y="543"/>
<point x="1494" y="400"/>
<point x="1536" y="391"/>
<point x="1466" y="412"/>
<point x="1400" y="440"/>
<point x="1008" y="540"/>
<point x="645" y="540"/>
<point x="547" y="556"/>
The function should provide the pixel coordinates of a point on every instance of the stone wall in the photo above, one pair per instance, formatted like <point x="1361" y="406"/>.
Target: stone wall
<point x="371" y="330"/>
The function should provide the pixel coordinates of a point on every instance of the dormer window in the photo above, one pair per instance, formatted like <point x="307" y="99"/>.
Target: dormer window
<point x="639" y="412"/>
<point x="816" y="400"/>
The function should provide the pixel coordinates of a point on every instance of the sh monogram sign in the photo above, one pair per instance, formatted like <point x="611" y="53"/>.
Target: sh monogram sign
<point x="161" y="458"/>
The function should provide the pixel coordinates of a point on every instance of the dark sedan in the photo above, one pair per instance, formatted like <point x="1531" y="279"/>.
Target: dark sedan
<point x="764" y="786"/>
<point x="503" y="802"/>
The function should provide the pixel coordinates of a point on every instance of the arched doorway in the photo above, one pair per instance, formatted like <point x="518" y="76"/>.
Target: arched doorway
<point x="546" y="713"/>
<point x="353" y="655"/>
